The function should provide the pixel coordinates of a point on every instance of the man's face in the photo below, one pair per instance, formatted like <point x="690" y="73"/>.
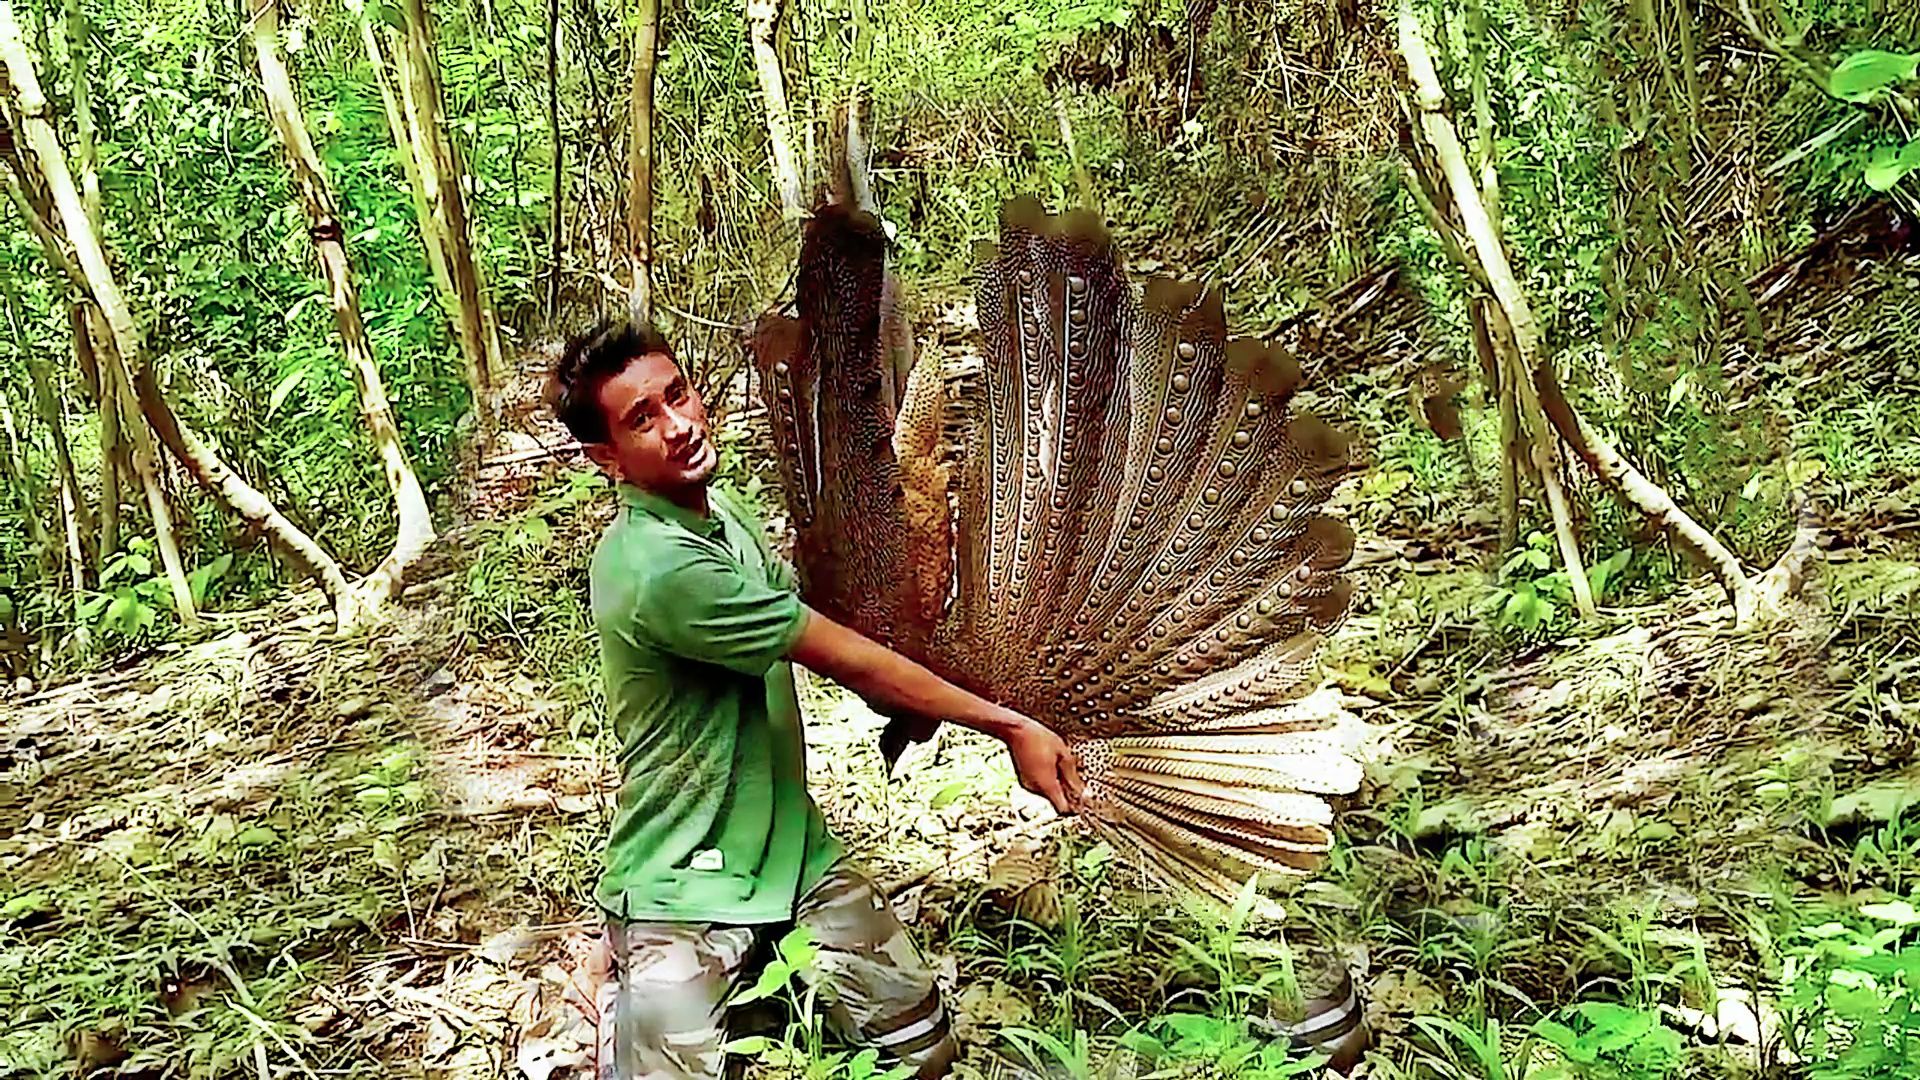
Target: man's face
<point x="657" y="438"/>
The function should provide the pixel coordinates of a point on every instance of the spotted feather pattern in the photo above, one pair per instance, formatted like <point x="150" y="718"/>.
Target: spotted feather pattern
<point x="1135" y="554"/>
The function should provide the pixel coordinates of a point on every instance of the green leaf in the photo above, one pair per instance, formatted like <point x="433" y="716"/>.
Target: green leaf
<point x="197" y="585"/>
<point x="284" y="387"/>
<point x="1889" y="165"/>
<point x="946" y="795"/>
<point x="772" y="978"/>
<point x="751" y="1046"/>
<point x="1601" y="574"/>
<point x="1560" y="1035"/>
<point x="121" y="609"/>
<point x="1869" y="71"/>
<point x="254" y="836"/>
<point x="1898" y="912"/>
<point x="797" y="949"/>
<point x="21" y="906"/>
<point x="386" y="854"/>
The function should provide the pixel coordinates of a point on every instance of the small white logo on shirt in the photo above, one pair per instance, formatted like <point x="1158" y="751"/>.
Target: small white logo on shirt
<point x="708" y="860"/>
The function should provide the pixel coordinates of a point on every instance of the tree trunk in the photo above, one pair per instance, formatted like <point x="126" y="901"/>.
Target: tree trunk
<point x="36" y="203"/>
<point x="1081" y="178"/>
<point x="763" y="20"/>
<point x="1489" y="253"/>
<point x="125" y="352"/>
<point x="112" y="444"/>
<point x="146" y="468"/>
<point x="26" y="494"/>
<point x="1512" y="449"/>
<point x="859" y="180"/>
<point x="646" y="50"/>
<point x="557" y="219"/>
<point x="77" y="516"/>
<point x="415" y="521"/>
<point x="440" y="170"/>
<point x="80" y="526"/>
<point x="1618" y="474"/>
<point x="306" y="557"/>
<point x="430" y="237"/>
<point x="85" y="145"/>
<point x="115" y="463"/>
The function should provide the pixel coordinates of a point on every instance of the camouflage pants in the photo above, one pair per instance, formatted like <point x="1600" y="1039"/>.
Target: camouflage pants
<point x="876" y="988"/>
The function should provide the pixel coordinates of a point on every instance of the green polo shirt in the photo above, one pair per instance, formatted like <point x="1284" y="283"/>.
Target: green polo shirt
<point x="695" y="616"/>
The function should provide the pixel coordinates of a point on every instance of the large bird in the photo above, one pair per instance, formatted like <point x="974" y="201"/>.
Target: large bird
<point x="1127" y="543"/>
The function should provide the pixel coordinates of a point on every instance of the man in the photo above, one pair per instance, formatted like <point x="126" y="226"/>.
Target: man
<point x="716" y="845"/>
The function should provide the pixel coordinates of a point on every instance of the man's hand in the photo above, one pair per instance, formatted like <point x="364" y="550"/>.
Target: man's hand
<point x="1046" y="766"/>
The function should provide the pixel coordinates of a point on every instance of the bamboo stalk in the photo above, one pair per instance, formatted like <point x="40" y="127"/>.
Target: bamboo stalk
<point x="126" y="355"/>
<point x="646" y="48"/>
<point x="556" y="218"/>
<point x="415" y="96"/>
<point x="1484" y="238"/>
<point x="76" y="515"/>
<point x="85" y="143"/>
<point x="36" y="205"/>
<point x="1511" y="448"/>
<point x="26" y="493"/>
<point x="404" y="152"/>
<point x="414" y="531"/>
<point x="763" y="20"/>
<point x="1538" y="385"/>
<point x="112" y="442"/>
<point x="1642" y="493"/>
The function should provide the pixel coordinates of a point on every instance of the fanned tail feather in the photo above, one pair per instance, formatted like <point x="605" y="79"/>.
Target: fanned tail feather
<point x="1136" y="554"/>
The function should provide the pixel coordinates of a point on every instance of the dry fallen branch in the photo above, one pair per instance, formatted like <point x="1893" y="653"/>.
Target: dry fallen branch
<point x="1485" y="259"/>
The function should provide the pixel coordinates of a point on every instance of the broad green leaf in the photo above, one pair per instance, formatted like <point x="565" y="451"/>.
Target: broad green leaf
<point x="1560" y="1035"/>
<point x="772" y="978"/>
<point x="751" y="1046"/>
<point x="21" y="906"/>
<point x="797" y="948"/>
<point x="119" y="612"/>
<point x="1889" y="165"/>
<point x="1865" y="73"/>
<point x="1898" y="912"/>
<point x="255" y="836"/>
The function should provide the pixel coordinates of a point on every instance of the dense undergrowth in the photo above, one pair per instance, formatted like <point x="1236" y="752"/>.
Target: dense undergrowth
<point x="1626" y="848"/>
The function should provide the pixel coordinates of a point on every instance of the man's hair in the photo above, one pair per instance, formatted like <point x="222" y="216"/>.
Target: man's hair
<point x="589" y="360"/>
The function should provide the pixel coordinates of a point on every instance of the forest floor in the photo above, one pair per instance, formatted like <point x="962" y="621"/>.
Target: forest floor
<point x="273" y="853"/>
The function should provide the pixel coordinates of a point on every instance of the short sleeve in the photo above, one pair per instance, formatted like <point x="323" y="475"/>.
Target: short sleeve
<point x="703" y="607"/>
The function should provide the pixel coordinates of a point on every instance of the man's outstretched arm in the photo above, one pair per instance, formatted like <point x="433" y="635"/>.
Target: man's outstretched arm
<point x="1045" y="766"/>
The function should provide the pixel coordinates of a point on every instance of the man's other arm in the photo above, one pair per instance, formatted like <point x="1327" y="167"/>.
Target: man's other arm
<point x="1045" y="766"/>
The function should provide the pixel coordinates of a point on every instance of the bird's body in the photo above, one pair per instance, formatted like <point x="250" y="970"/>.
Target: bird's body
<point x="1129" y="548"/>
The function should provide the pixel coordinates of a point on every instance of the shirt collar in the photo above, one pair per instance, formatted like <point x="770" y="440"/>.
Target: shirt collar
<point x="670" y="511"/>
